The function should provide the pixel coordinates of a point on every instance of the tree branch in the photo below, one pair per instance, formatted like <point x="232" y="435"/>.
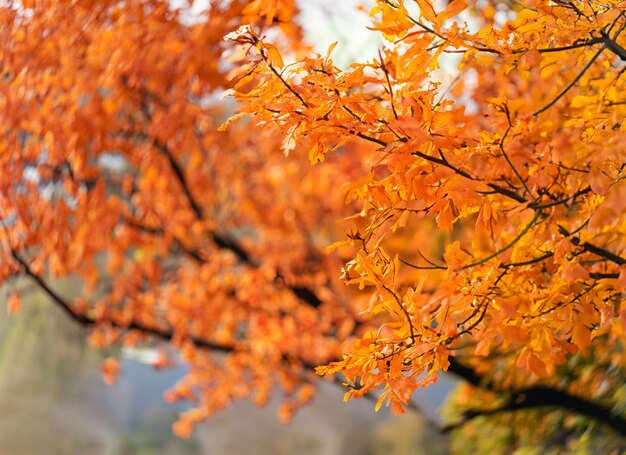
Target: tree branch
<point x="223" y="242"/>
<point x="180" y="176"/>
<point x="572" y="83"/>
<point x="86" y="321"/>
<point x="537" y="396"/>
<point x="600" y="252"/>
<point x="531" y="397"/>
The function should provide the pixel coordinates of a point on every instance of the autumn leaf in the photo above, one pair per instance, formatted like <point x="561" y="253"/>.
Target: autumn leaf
<point x="427" y="10"/>
<point x="14" y="304"/>
<point x="110" y="370"/>
<point x="453" y="8"/>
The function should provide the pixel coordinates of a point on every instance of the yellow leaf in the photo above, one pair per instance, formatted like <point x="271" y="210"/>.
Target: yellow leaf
<point x="330" y="49"/>
<point x="274" y="56"/>
<point x="232" y="119"/>
<point x="331" y="368"/>
<point x="379" y="402"/>
<point x="582" y="101"/>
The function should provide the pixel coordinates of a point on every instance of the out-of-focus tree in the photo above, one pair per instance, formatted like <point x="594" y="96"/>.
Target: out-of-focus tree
<point x="480" y="221"/>
<point x="491" y="422"/>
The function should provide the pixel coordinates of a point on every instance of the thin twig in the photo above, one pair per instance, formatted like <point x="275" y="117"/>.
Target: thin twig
<point x="572" y="83"/>
<point x="517" y="238"/>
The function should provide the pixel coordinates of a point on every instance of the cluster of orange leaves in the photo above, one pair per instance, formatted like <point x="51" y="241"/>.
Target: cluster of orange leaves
<point x="113" y="171"/>
<point x="492" y="218"/>
<point x="479" y="217"/>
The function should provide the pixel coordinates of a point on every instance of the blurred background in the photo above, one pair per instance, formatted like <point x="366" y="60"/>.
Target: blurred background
<point x="53" y="400"/>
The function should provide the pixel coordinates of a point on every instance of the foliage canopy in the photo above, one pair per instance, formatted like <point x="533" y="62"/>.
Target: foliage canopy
<point x="478" y="218"/>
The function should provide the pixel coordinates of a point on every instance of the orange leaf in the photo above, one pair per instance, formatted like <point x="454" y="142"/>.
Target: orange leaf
<point x="427" y="10"/>
<point x="110" y="370"/>
<point x="274" y="56"/>
<point x="454" y="8"/>
<point x="13" y="303"/>
<point x="581" y="337"/>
